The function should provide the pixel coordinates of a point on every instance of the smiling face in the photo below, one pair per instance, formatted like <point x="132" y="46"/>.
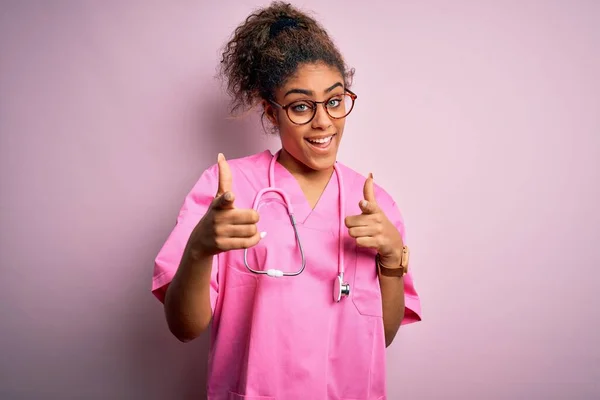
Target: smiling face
<point x="314" y="145"/>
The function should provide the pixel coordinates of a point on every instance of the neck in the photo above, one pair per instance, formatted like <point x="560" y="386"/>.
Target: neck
<point x="300" y="171"/>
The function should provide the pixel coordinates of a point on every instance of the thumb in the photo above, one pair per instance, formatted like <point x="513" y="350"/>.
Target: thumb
<point x="224" y="201"/>
<point x="225" y="179"/>
<point x="369" y="204"/>
<point x="368" y="190"/>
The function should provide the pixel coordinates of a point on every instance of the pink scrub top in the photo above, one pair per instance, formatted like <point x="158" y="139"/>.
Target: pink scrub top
<point x="286" y="338"/>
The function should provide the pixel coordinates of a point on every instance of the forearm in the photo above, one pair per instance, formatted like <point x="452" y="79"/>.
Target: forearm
<point x="187" y="301"/>
<point x="392" y="294"/>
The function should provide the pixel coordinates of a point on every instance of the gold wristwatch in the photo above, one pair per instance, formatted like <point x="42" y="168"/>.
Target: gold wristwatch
<point x="398" y="271"/>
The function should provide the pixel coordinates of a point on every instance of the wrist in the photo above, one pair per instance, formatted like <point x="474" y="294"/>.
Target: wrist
<point x="389" y="261"/>
<point x="197" y="248"/>
<point x="197" y="252"/>
<point x="391" y="255"/>
<point x="393" y="265"/>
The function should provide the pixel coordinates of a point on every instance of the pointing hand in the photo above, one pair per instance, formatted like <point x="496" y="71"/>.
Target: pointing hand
<point x="372" y="229"/>
<point x="225" y="227"/>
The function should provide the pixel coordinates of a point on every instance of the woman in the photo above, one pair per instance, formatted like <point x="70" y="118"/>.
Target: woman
<point x="287" y="337"/>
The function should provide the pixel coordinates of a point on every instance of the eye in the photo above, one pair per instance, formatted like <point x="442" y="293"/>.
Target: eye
<point x="334" y="102"/>
<point x="301" y="107"/>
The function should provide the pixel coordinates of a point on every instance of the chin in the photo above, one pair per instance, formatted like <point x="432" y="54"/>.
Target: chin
<point x="306" y="157"/>
<point x="321" y="163"/>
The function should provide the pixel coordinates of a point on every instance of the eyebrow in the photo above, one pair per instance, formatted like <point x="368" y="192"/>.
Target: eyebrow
<point x="310" y="92"/>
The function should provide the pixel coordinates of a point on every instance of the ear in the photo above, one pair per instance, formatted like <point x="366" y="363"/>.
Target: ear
<point x="270" y="112"/>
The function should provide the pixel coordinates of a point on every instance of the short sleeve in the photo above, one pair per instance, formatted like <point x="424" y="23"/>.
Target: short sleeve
<point x="412" y="301"/>
<point x="194" y="207"/>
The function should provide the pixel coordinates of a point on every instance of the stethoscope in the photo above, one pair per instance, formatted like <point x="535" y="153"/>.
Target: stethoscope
<point x="340" y="288"/>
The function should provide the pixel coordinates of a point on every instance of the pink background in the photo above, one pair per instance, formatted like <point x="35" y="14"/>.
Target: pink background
<point x="481" y="118"/>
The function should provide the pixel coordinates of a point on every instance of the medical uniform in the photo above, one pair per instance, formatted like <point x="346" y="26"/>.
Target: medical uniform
<point x="286" y="338"/>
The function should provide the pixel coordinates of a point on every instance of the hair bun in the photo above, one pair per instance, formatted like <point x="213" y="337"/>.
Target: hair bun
<point x="267" y="48"/>
<point x="282" y="23"/>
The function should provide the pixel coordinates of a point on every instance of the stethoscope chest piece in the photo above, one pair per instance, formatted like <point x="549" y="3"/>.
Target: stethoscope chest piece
<point x="340" y="288"/>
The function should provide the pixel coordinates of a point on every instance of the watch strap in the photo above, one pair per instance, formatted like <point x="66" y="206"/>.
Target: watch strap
<point x="399" y="271"/>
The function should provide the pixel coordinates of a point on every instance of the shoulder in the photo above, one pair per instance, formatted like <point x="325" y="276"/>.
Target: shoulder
<point x="240" y="167"/>
<point x="243" y="163"/>
<point x="354" y="182"/>
<point x="246" y="172"/>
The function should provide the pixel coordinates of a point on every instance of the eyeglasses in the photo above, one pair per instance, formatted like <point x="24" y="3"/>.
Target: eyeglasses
<point x="301" y="112"/>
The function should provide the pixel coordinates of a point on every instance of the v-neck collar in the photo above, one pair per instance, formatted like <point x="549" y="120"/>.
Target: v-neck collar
<point x="328" y="203"/>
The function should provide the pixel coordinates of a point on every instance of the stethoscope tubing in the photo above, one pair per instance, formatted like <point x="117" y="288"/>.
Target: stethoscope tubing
<point x="272" y="189"/>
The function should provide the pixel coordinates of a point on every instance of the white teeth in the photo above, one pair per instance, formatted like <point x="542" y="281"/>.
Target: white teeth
<point x="321" y="141"/>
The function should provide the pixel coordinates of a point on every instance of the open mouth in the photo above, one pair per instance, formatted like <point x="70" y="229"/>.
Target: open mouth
<point x="321" y="143"/>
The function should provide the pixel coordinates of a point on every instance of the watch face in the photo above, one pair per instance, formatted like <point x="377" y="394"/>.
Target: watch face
<point x="405" y="258"/>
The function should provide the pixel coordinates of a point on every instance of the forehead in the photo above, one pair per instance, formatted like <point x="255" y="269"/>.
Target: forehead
<point x="315" y="77"/>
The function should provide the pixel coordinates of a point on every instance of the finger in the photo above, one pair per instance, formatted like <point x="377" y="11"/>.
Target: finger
<point x="368" y="190"/>
<point x="367" y="241"/>
<point x="364" y="231"/>
<point x="224" y="201"/>
<point x="225" y="179"/>
<point x="358" y="220"/>
<point x="237" y="216"/>
<point x="227" y="244"/>
<point x="368" y="207"/>
<point x="237" y="231"/>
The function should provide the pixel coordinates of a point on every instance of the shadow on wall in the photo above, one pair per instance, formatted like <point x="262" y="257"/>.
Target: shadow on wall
<point x="163" y="366"/>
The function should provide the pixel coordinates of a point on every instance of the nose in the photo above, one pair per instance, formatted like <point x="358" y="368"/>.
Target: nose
<point x="321" y="119"/>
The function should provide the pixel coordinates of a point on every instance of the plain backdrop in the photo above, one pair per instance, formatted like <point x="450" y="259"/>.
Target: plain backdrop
<point x="481" y="118"/>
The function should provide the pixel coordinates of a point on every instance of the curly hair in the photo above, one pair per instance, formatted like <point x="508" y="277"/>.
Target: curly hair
<point x="268" y="48"/>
